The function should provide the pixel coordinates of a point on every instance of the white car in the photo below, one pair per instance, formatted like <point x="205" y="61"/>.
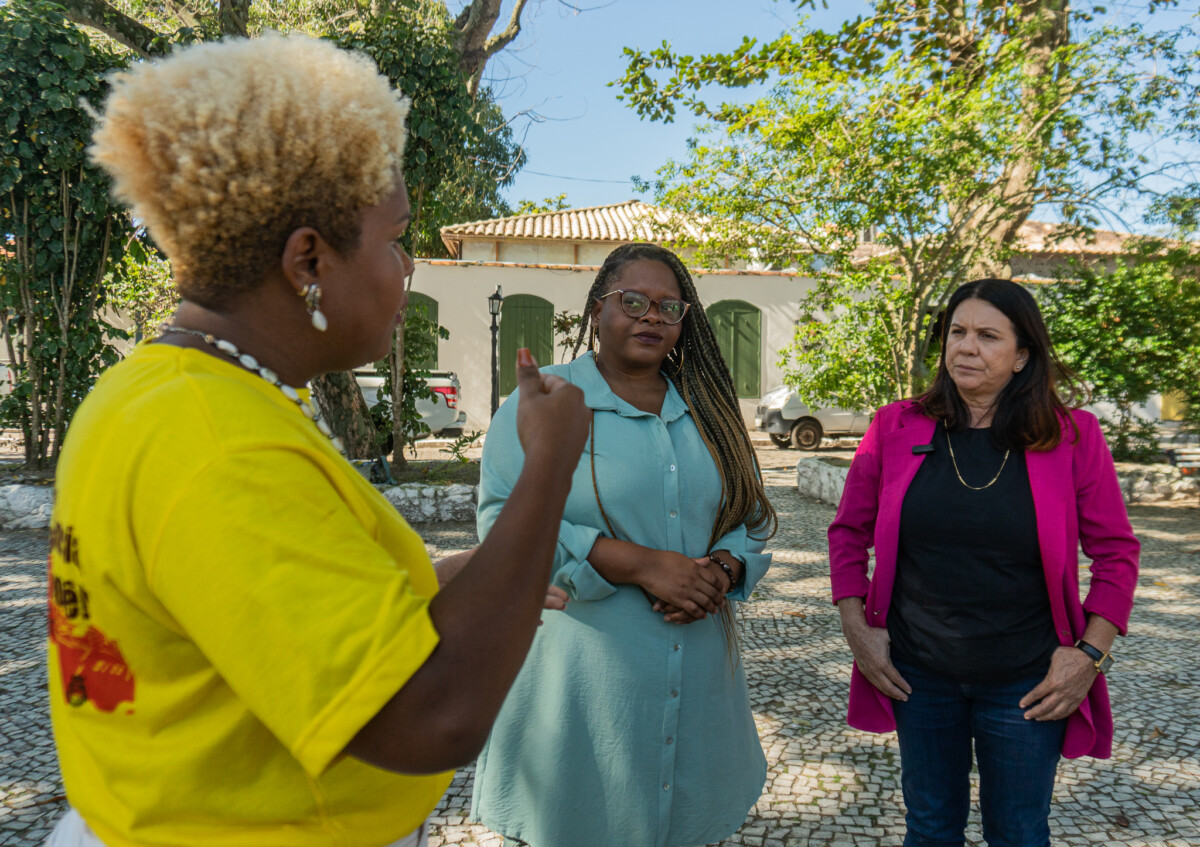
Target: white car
<point x="441" y="412"/>
<point x="790" y="423"/>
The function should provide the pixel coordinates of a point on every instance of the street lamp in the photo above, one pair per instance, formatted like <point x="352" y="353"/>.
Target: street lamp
<point x="495" y="301"/>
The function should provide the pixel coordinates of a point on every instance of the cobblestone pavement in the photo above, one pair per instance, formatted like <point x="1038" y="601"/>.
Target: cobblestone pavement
<point x="827" y="784"/>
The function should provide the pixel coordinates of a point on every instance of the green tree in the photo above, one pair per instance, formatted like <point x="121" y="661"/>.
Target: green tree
<point x="1130" y="333"/>
<point x="461" y="151"/>
<point x="565" y="326"/>
<point x="933" y="128"/>
<point x="550" y="204"/>
<point x="451" y="134"/>
<point x="64" y="233"/>
<point x="140" y="289"/>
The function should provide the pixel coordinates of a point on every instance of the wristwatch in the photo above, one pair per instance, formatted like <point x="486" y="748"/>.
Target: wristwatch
<point x="1101" y="660"/>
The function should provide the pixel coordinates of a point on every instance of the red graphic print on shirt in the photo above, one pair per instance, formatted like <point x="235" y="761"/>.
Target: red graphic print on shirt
<point x="90" y="663"/>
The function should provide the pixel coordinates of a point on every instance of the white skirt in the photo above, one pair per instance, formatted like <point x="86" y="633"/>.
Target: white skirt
<point x="72" y="831"/>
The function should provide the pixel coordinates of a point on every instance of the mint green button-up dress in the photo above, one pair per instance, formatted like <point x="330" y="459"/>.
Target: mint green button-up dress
<point x="622" y="730"/>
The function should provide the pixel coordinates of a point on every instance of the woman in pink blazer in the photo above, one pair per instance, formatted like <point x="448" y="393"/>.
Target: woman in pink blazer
<point x="969" y="637"/>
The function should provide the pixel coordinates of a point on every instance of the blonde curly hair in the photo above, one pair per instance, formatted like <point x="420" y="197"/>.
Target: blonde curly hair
<point x="224" y="149"/>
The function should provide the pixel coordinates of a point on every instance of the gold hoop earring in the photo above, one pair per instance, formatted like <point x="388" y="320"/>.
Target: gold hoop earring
<point x="312" y="300"/>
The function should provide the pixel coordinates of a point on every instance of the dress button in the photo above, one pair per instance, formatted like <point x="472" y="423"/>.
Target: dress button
<point x="674" y="513"/>
<point x="672" y="469"/>
<point x="666" y="786"/>
<point x="676" y="648"/>
<point x="670" y="740"/>
<point x="674" y="694"/>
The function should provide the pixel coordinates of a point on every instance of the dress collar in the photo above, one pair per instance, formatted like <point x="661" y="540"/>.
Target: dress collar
<point x="598" y="395"/>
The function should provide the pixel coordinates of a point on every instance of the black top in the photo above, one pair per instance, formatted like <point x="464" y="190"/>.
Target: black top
<point x="970" y="598"/>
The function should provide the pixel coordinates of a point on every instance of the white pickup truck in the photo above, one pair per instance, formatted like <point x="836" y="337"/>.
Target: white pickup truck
<point x="790" y="423"/>
<point x="441" y="412"/>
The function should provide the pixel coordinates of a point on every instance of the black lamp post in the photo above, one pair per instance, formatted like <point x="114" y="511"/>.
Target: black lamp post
<point x="495" y="301"/>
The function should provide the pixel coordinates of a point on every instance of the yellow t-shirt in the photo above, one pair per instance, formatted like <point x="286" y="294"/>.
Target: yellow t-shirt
<point x="230" y="603"/>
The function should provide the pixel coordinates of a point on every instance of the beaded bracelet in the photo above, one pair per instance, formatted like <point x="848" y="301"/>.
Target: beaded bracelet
<point x="728" y="571"/>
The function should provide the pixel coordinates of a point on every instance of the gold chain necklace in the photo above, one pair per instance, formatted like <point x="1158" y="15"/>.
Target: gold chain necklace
<point x="954" y="462"/>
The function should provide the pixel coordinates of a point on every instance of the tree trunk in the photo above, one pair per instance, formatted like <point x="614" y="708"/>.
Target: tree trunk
<point x="347" y="413"/>
<point x="399" y="440"/>
<point x="234" y="15"/>
<point x="995" y="225"/>
<point x="475" y="42"/>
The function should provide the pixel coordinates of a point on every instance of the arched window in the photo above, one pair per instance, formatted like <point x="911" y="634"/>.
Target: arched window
<point x="427" y="307"/>
<point x="525" y="321"/>
<point x="738" y="326"/>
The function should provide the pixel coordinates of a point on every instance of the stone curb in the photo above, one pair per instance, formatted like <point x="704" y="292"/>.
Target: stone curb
<point x="1139" y="483"/>
<point x="29" y="506"/>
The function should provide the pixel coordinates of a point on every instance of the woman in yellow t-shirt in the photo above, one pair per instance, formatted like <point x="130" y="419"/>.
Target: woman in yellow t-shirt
<point x="248" y="645"/>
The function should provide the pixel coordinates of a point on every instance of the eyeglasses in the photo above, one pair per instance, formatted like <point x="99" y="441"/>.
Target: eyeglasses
<point x="635" y="304"/>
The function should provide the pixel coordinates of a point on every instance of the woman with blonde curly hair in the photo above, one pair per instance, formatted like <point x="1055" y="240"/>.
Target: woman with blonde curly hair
<point x="248" y="646"/>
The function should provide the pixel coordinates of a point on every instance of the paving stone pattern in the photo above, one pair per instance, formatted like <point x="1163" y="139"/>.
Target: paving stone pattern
<point x="827" y="784"/>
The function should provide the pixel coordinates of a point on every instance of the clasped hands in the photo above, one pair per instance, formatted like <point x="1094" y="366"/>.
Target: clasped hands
<point x="683" y="589"/>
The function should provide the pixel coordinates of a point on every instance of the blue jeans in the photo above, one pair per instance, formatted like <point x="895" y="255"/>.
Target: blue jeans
<point x="1017" y="761"/>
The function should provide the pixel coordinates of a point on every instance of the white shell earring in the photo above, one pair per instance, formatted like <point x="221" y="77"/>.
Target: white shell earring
<point x="312" y="299"/>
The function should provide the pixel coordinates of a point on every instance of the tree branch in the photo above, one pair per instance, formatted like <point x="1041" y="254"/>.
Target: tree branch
<point x="475" y="42"/>
<point x="116" y="25"/>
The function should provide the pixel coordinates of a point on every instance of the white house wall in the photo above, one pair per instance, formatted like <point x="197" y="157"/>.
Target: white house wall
<point x="462" y="288"/>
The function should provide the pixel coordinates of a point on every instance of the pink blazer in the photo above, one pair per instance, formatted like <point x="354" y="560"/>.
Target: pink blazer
<point x="1077" y="500"/>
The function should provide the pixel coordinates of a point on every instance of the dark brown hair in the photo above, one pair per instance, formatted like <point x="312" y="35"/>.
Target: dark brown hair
<point x="1030" y="410"/>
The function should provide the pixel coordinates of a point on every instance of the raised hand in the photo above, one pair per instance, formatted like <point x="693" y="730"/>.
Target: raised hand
<point x="552" y="420"/>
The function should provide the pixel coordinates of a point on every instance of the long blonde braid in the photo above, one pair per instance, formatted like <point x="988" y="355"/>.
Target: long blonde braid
<point x="700" y="374"/>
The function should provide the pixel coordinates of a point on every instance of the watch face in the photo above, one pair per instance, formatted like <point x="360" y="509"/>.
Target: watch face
<point x="1104" y="664"/>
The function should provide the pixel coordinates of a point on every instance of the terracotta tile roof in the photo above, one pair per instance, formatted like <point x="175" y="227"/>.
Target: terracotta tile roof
<point x="1038" y="237"/>
<point x="632" y="220"/>
<point x="464" y="263"/>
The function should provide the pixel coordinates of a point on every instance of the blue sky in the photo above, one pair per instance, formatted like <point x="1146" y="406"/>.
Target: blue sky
<point x="560" y="65"/>
<point x="586" y="143"/>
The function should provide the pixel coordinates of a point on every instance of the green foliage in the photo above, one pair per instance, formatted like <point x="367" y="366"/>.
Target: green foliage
<point x="460" y="153"/>
<point x="460" y="150"/>
<point x="936" y="127"/>
<point x="843" y="353"/>
<point x="1191" y="410"/>
<point x="565" y="326"/>
<point x="65" y="236"/>
<point x="1130" y="438"/>
<point x="421" y="336"/>
<point x="550" y="204"/>
<point x="457" y="449"/>
<point x="1130" y="333"/>
<point x="141" y="290"/>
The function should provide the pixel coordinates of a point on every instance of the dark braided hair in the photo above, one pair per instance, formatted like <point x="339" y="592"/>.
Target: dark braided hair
<point x="700" y="374"/>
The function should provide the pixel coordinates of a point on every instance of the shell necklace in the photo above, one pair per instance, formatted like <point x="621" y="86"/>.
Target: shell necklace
<point x="251" y="364"/>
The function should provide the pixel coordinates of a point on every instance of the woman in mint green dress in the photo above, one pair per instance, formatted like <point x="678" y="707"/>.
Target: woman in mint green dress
<point x="630" y="723"/>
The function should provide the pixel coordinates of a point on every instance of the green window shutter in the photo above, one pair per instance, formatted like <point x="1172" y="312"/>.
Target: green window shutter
<point x="428" y="308"/>
<point x="525" y="321"/>
<point x="738" y="327"/>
